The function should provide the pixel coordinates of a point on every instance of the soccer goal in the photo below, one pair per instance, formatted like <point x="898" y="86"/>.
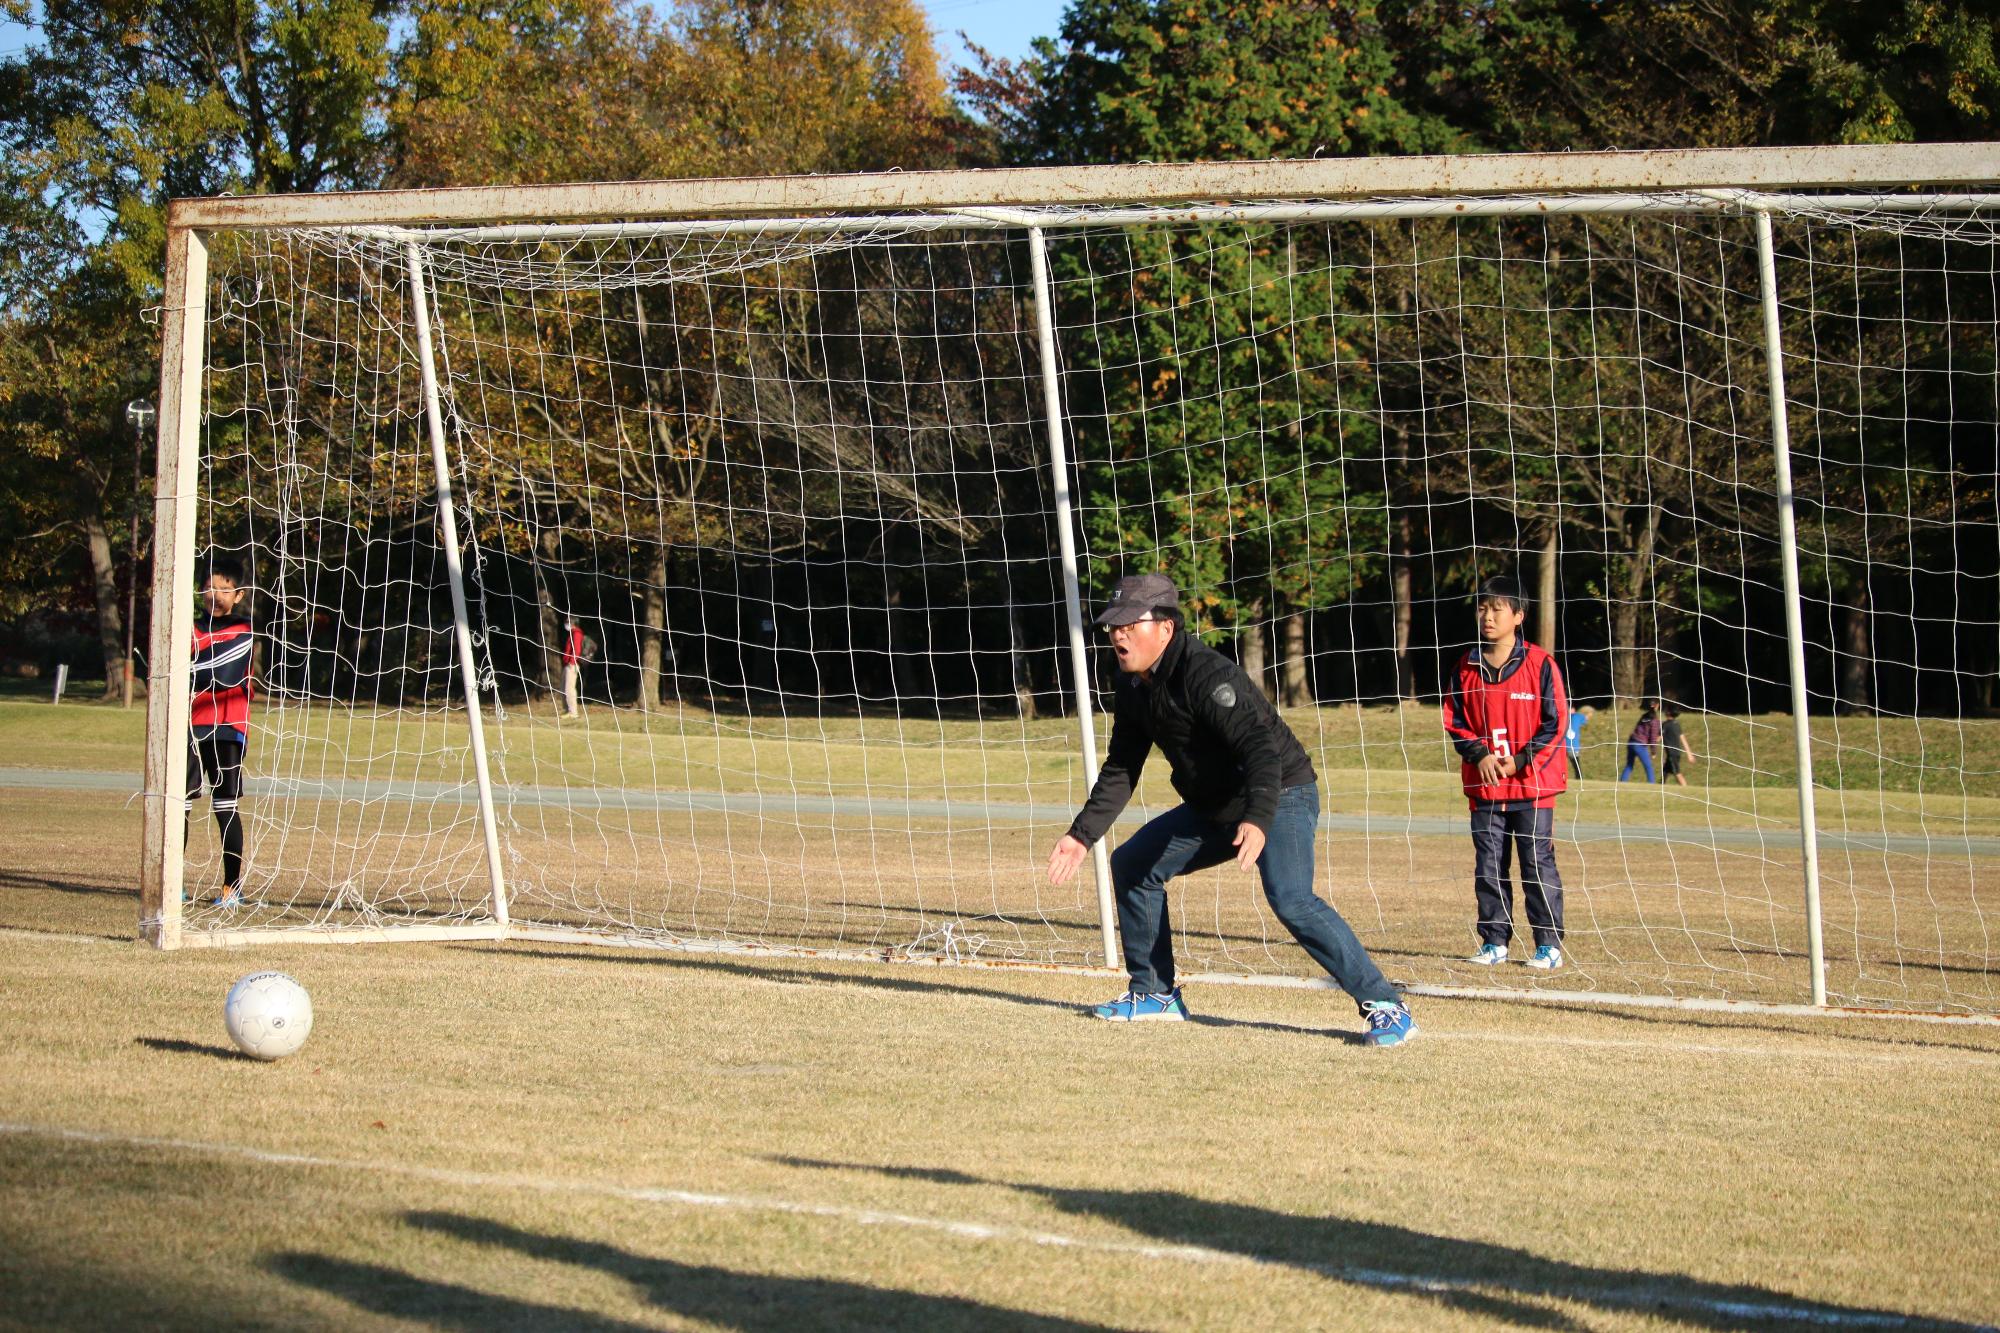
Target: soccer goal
<point x="709" y="565"/>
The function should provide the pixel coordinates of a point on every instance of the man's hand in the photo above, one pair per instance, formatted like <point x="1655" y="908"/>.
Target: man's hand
<point x="1492" y="768"/>
<point x="1249" y="845"/>
<point x="1064" y="860"/>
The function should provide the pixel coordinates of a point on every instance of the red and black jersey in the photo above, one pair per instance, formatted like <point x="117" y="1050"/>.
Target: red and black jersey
<point x="1518" y="709"/>
<point x="572" y="649"/>
<point x="220" y="679"/>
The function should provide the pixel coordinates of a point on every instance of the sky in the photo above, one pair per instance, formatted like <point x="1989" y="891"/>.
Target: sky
<point x="1004" y="27"/>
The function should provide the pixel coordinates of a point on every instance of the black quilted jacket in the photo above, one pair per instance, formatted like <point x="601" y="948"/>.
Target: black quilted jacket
<point x="1231" y="753"/>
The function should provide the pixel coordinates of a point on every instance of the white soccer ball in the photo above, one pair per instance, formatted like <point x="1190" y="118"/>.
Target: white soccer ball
<point x="269" y="1015"/>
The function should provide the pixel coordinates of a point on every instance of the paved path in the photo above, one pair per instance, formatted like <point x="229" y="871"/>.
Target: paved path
<point x="1778" y="841"/>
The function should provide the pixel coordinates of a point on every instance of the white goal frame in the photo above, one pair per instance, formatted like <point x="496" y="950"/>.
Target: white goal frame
<point x="1744" y="181"/>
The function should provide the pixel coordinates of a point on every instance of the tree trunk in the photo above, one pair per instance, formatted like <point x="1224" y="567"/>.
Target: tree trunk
<point x="1545" y="589"/>
<point x="1627" y="675"/>
<point x="1250" y="646"/>
<point x="548" y="666"/>
<point x="104" y="583"/>
<point x="1402" y="585"/>
<point x="1020" y="665"/>
<point x="1295" y="679"/>
<point x="653" y="634"/>
<point x="1628" y="577"/>
<point x="1857" y="651"/>
<point x="895" y="639"/>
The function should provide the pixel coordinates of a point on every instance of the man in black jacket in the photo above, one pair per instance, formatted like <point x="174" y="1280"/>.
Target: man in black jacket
<point x="1248" y="792"/>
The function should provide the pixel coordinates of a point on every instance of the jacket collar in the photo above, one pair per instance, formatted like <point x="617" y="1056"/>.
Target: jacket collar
<point x="1477" y="656"/>
<point x="1170" y="661"/>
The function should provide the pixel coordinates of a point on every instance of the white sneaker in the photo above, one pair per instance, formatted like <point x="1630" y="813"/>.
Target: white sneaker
<point x="1489" y="955"/>
<point x="1547" y="958"/>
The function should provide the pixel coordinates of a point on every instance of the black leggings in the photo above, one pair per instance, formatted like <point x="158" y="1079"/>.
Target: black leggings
<point x="219" y="758"/>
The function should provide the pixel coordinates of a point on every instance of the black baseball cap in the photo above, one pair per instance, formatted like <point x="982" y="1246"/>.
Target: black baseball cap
<point x="1141" y="597"/>
<point x="1501" y="588"/>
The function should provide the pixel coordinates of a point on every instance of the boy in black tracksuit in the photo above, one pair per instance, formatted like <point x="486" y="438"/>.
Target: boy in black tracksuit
<point x="219" y="716"/>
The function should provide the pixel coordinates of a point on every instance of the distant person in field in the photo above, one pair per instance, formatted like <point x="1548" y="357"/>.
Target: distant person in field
<point x="577" y="649"/>
<point x="219" y="716"/>
<point x="1674" y="747"/>
<point x="1248" y="793"/>
<point x="1639" y="745"/>
<point x="1579" y="718"/>
<point x="1505" y="715"/>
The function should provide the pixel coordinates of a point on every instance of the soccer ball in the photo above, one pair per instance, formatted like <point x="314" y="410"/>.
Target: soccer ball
<point x="269" y="1016"/>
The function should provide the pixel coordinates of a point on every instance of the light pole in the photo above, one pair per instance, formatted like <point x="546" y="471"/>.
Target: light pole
<point x="140" y="414"/>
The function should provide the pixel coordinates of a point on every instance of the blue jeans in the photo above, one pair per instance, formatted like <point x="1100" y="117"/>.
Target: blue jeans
<point x="1639" y="754"/>
<point x="1496" y="834"/>
<point x="1182" y="841"/>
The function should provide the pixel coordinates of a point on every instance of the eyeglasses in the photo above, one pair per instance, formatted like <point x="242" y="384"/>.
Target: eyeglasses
<point x="1111" y="631"/>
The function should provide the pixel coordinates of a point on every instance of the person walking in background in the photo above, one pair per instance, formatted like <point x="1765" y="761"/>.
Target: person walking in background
<point x="575" y="651"/>
<point x="1505" y="714"/>
<point x="219" y="716"/>
<point x="1639" y="745"/>
<point x="1579" y="718"/>
<point x="1674" y="747"/>
<point x="1248" y="794"/>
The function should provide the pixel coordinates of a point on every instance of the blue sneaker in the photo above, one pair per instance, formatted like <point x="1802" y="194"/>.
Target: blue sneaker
<point x="229" y="898"/>
<point x="1132" y="1007"/>
<point x="1547" y="958"/>
<point x="1389" y="1023"/>
<point x="1489" y="955"/>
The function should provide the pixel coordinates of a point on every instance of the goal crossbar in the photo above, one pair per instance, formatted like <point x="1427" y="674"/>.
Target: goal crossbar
<point x="1889" y="166"/>
<point x="1071" y="218"/>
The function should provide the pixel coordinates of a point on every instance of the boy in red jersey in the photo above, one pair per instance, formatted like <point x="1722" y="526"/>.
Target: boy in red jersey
<point x="219" y="716"/>
<point x="1504" y="713"/>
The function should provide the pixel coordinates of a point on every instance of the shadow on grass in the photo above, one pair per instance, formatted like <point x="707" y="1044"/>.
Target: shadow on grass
<point x="175" y="1046"/>
<point x="381" y="1290"/>
<point x="776" y="971"/>
<point x="1473" y="1277"/>
<point x="719" y="1296"/>
<point x="1827" y="1029"/>
<point x="21" y="879"/>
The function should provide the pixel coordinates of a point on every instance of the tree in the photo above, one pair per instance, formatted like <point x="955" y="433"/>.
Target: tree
<point x="121" y="105"/>
<point x="1695" y="73"/>
<point x="1216" y="349"/>
<point x="568" y="89"/>
<point x="1718" y="73"/>
<point x="559" y="90"/>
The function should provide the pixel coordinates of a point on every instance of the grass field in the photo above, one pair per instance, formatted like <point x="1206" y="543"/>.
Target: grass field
<point x="484" y="1137"/>
<point x="880" y="833"/>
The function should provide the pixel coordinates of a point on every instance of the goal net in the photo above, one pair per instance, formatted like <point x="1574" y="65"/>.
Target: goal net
<point x="767" y="617"/>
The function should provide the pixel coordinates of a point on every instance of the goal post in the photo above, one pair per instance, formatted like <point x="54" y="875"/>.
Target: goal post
<point x="448" y="543"/>
<point x="707" y="564"/>
<point x="1788" y="560"/>
<point x="175" y="490"/>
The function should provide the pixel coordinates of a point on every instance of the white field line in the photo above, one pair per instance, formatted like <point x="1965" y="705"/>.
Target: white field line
<point x="1638" y="1297"/>
<point x="1917" y="1053"/>
<point x="531" y="933"/>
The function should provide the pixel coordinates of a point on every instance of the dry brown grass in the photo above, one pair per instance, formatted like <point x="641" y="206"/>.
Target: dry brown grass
<point x="485" y="1136"/>
<point x="1644" y="918"/>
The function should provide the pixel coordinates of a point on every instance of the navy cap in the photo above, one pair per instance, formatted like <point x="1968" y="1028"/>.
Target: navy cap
<point x="1141" y="597"/>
